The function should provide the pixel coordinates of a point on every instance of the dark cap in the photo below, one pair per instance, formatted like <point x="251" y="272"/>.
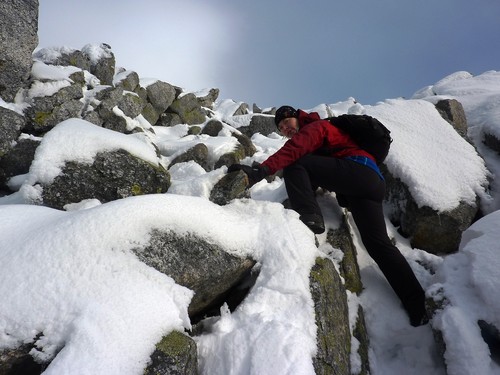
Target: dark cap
<point x="284" y="111"/>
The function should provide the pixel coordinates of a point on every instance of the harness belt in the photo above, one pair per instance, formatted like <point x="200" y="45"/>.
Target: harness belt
<point x="366" y="161"/>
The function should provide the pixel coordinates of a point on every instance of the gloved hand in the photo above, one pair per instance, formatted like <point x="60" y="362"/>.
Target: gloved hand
<point x="255" y="173"/>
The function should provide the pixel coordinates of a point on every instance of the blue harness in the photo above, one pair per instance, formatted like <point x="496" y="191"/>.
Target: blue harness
<point x="366" y="161"/>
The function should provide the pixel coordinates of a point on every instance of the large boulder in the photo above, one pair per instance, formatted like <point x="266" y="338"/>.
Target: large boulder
<point x="112" y="175"/>
<point x="341" y="238"/>
<point x="131" y="104"/>
<point x="117" y="108"/>
<point x="108" y="98"/>
<point x="204" y="267"/>
<point x="189" y="109"/>
<point x="429" y="230"/>
<point x="18" y="39"/>
<point x="332" y="320"/>
<point x="161" y="95"/>
<point x="437" y="232"/>
<point x="259" y="124"/>
<point x="102" y="62"/>
<point x="48" y="111"/>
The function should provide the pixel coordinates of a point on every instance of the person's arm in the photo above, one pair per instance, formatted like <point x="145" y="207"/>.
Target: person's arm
<point x="307" y="140"/>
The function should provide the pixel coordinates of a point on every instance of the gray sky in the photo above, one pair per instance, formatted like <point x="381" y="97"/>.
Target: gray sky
<point x="274" y="52"/>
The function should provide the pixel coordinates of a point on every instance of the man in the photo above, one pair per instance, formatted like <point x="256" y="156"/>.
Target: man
<point x="318" y="154"/>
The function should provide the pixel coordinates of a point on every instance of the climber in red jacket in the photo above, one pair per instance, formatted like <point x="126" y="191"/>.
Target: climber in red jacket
<point x="318" y="154"/>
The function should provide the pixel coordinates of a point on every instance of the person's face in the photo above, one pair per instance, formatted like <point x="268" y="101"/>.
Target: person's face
<point x="288" y="126"/>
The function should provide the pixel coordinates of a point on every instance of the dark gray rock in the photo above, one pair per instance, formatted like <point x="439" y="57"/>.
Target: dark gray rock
<point x="244" y="148"/>
<point x="189" y="109"/>
<point x="429" y="230"/>
<point x="209" y="99"/>
<point x="212" y="128"/>
<point x="435" y="306"/>
<point x="131" y="104"/>
<point x="437" y="233"/>
<point x="332" y="320"/>
<point x="141" y="91"/>
<point x="78" y="78"/>
<point x="11" y="124"/>
<point x="175" y="354"/>
<point x="241" y="110"/>
<point x="117" y="123"/>
<point x="206" y="268"/>
<point x="129" y="82"/>
<point x="18" y="160"/>
<point x="361" y="334"/>
<point x="256" y="109"/>
<point x="150" y="114"/>
<point x="102" y="62"/>
<point x="259" y="124"/>
<point x="112" y="175"/>
<point x="18" y="361"/>
<point x="48" y="111"/>
<point x="161" y="95"/>
<point x="169" y="119"/>
<point x="194" y="130"/>
<point x="453" y="112"/>
<point x="46" y="120"/>
<point x="247" y="144"/>
<point x="492" y="142"/>
<point x="198" y="153"/>
<point x="231" y="186"/>
<point x="340" y="238"/>
<point x="229" y="158"/>
<point x="93" y="117"/>
<point x="109" y="97"/>
<point x="18" y="39"/>
<point x="270" y="111"/>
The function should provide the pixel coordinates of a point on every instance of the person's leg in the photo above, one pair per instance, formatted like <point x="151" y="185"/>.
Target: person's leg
<point x="300" y="189"/>
<point x="337" y="175"/>
<point x="312" y="171"/>
<point x="364" y="191"/>
<point x="369" y="218"/>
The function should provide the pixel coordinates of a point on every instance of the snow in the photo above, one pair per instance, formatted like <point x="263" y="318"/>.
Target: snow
<point x="52" y="54"/>
<point x="79" y="140"/>
<point x="97" y="52"/>
<point x="422" y="137"/>
<point x="72" y="275"/>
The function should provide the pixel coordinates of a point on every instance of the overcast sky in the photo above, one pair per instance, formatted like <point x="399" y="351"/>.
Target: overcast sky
<point x="274" y="52"/>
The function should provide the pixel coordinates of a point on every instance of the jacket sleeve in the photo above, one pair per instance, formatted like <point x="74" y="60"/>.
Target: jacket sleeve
<point x="307" y="140"/>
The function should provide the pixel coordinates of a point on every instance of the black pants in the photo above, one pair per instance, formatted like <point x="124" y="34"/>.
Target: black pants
<point x="364" y="191"/>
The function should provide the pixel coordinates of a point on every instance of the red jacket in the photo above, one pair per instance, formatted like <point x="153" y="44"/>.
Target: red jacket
<point x="314" y="134"/>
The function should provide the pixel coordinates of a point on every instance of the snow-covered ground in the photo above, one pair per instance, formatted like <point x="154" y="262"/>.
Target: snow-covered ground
<point x="72" y="275"/>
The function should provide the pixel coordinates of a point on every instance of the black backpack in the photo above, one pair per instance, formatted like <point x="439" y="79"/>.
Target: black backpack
<point x="368" y="132"/>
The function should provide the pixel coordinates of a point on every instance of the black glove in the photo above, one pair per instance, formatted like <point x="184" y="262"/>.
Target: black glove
<point x="255" y="173"/>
